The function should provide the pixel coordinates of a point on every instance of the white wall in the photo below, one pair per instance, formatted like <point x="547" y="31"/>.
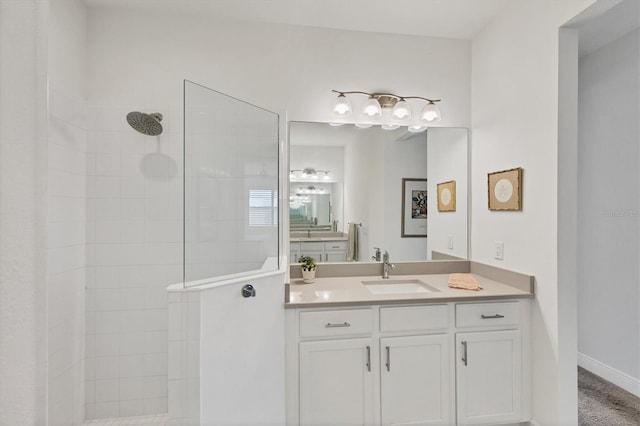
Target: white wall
<point x="23" y="171"/>
<point x="515" y="124"/>
<point x="375" y="163"/>
<point x="400" y="159"/>
<point x="66" y="215"/>
<point x="361" y="188"/>
<point x="608" y="202"/>
<point x="447" y="160"/>
<point x="137" y="56"/>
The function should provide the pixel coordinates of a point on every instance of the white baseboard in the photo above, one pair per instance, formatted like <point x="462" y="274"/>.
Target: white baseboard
<point x="618" y="378"/>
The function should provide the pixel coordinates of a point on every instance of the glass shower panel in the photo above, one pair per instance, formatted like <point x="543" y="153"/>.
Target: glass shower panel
<point x="230" y="187"/>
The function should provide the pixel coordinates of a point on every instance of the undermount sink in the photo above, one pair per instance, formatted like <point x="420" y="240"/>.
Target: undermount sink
<point x="398" y="287"/>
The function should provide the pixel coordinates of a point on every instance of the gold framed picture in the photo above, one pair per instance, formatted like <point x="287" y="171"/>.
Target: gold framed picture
<point x="447" y="196"/>
<point x="505" y="189"/>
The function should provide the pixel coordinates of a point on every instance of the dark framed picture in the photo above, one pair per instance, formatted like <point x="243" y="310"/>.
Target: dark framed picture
<point x="414" y="208"/>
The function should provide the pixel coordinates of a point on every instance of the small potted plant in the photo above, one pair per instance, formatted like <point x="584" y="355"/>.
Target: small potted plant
<point x="308" y="265"/>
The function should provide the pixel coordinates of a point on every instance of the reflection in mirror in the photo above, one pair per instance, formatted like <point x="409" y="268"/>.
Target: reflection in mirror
<point x="358" y="173"/>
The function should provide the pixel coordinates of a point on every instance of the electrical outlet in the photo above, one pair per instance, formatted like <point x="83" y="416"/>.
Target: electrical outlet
<point x="499" y="250"/>
<point x="450" y="242"/>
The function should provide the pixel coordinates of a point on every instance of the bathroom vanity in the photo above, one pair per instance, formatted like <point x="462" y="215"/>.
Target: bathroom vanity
<point x="409" y="350"/>
<point x="322" y="249"/>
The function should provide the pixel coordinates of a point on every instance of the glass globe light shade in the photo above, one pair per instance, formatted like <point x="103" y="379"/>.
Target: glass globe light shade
<point x="401" y="109"/>
<point x="390" y="126"/>
<point x="372" y="108"/>
<point x="342" y="106"/>
<point x="431" y="113"/>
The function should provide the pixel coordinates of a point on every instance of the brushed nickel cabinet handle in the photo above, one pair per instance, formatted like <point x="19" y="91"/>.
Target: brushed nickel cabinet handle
<point x="388" y="364"/>
<point x="332" y="325"/>
<point x="464" y="352"/>
<point x="368" y="358"/>
<point x="491" y="316"/>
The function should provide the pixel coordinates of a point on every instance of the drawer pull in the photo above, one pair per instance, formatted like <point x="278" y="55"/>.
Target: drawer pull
<point x="491" y="316"/>
<point x="330" y="325"/>
<point x="464" y="352"/>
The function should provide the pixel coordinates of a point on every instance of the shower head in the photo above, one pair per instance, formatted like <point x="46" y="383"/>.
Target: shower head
<point x="147" y="124"/>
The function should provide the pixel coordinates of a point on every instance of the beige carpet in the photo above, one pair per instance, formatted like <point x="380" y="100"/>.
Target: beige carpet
<point x="600" y="403"/>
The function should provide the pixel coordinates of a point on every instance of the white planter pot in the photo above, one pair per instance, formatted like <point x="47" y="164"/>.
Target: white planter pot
<point x="308" y="276"/>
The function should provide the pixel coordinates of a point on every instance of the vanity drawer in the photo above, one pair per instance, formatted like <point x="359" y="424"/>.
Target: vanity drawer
<point x="487" y="314"/>
<point x="414" y="318"/>
<point x="336" y="323"/>
<point x="311" y="246"/>
<point x="335" y="245"/>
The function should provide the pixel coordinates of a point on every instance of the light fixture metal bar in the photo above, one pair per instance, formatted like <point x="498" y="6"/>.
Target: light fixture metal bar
<point x="390" y="100"/>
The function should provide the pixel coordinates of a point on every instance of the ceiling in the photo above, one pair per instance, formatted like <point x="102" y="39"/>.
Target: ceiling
<point x="460" y="19"/>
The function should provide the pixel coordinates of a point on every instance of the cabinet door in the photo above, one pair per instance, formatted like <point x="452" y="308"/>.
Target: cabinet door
<point x="489" y="377"/>
<point x="415" y="380"/>
<point x="336" y="382"/>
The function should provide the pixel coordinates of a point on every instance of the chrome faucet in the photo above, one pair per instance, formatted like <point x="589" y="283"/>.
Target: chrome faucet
<point x="376" y="256"/>
<point x="386" y="266"/>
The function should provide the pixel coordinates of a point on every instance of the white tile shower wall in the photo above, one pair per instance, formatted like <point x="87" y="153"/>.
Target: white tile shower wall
<point x="184" y="358"/>
<point x="134" y="251"/>
<point x="66" y="257"/>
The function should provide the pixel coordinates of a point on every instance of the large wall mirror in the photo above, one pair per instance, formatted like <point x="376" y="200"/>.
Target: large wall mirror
<point x="347" y="196"/>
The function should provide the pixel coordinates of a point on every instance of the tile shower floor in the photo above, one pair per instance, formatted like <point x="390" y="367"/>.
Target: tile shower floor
<point x="153" y="420"/>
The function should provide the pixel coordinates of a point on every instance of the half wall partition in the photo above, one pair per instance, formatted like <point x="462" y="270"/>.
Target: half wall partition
<point x="225" y="342"/>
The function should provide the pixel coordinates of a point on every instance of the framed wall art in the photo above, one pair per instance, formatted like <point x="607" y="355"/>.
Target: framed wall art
<point x="447" y="196"/>
<point x="505" y="189"/>
<point x="414" y="208"/>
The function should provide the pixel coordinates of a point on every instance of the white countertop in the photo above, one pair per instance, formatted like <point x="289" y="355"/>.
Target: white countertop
<point x="344" y="291"/>
<point x="313" y="239"/>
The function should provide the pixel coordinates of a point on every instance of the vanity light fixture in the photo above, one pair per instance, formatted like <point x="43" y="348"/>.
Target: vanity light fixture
<point x="309" y="173"/>
<point x="309" y="190"/>
<point x="377" y="101"/>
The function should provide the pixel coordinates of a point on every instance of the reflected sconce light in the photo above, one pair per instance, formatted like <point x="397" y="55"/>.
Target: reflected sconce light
<point x="308" y="190"/>
<point x="378" y="101"/>
<point x="309" y="173"/>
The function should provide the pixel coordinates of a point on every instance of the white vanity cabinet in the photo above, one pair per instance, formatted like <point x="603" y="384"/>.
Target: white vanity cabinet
<point x="335" y="251"/>
<point x="337" y="371"/>
<point x="489" y="363"/>
<point x="432" y="363"/>
<point x="415" y="380"/>
<point x="336" y="382"/>
<point x="320" y="251"/>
